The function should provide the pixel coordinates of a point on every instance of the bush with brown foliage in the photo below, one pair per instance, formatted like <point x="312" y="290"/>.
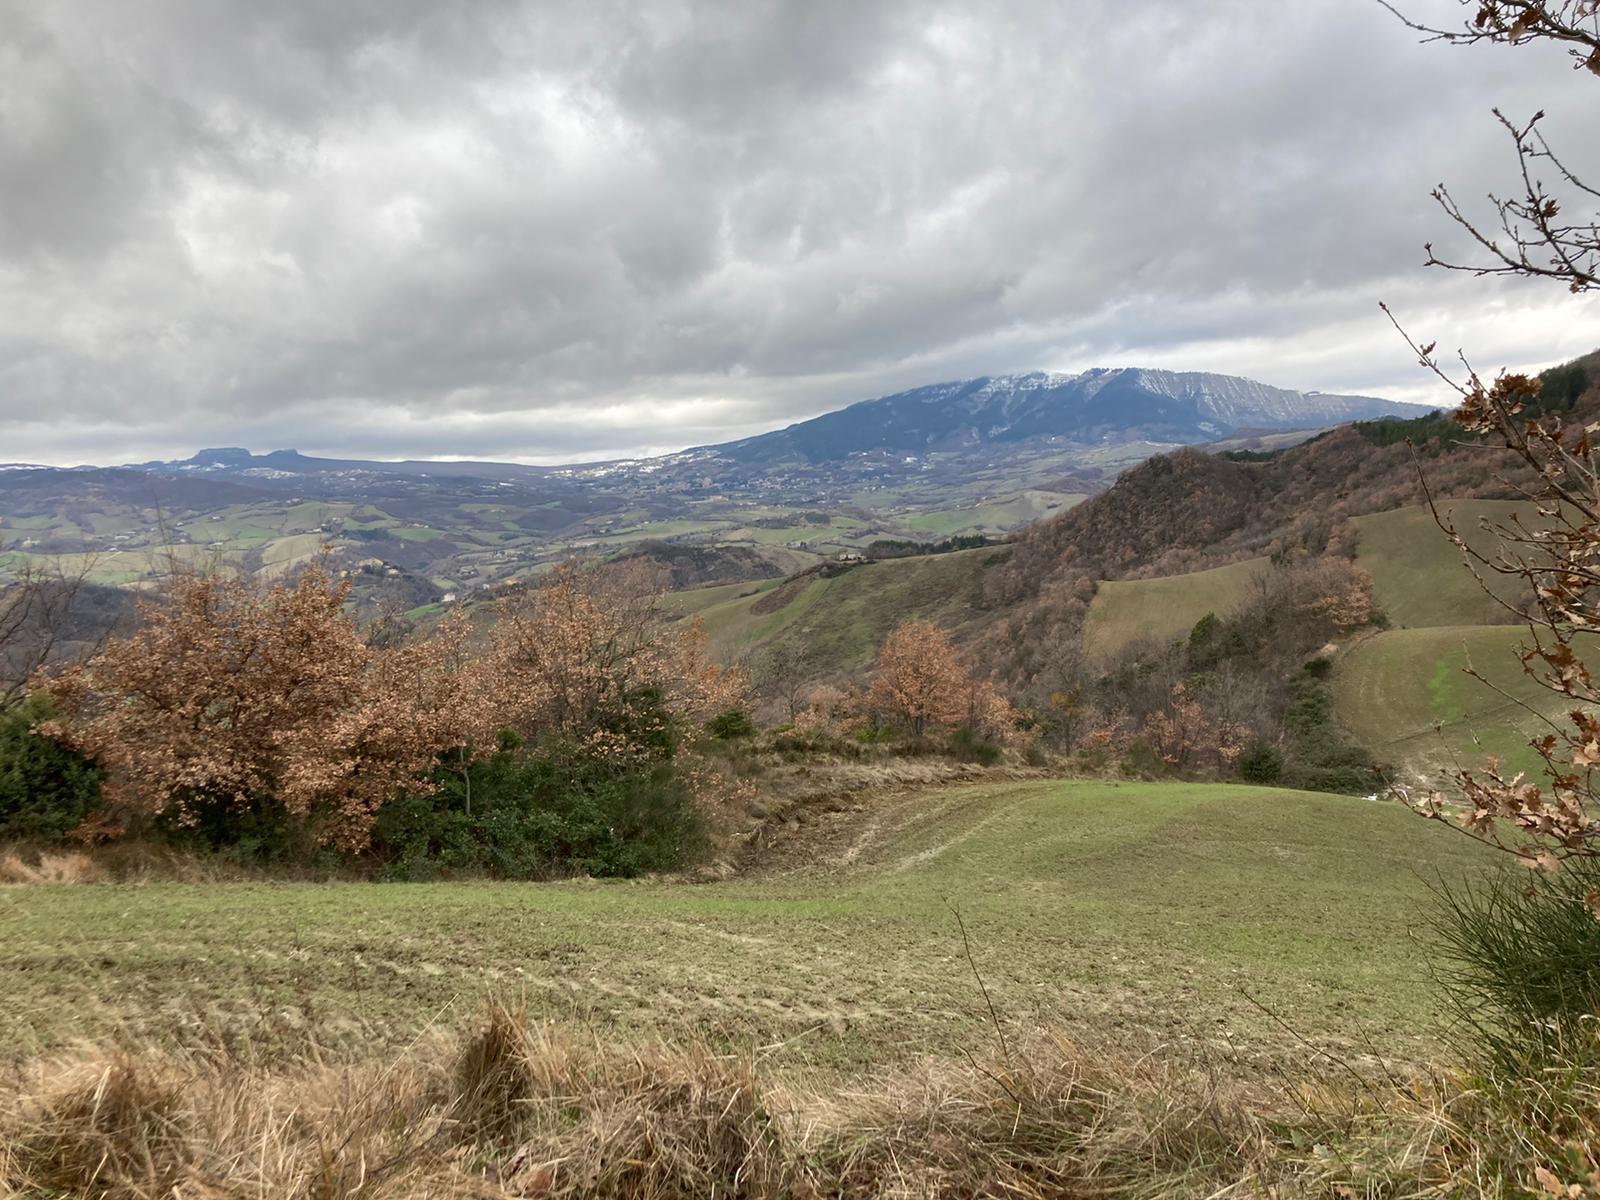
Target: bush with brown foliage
<point x="230" y="702"/>
<point x="229" y="697"/>
<point x="587" y="659"/>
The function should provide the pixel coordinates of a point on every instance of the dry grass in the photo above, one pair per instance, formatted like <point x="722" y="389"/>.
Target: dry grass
<point x="534" y="1110"/>
<point x="132" y="861"/>
<point x="20" y="869"/>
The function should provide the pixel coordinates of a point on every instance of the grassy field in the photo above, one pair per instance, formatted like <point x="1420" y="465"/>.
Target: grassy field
<point x="1418" y="577"/>
<point x="1393" y="688"/>
<point x="698" y="600"/>
<point x="844" y="618"/>
<point x="994" y="516"/>
<point x="1127" y="610"/>
<point x="1100" y="907"/>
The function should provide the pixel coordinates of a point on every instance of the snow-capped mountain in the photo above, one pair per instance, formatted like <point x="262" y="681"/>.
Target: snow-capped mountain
<point x="1096" y="422"/>
<point x="1104" y="405"/>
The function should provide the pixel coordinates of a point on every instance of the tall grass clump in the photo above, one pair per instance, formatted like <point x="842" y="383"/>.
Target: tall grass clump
<point x="1519" y="962"/>
<point x="1519" y="966"/>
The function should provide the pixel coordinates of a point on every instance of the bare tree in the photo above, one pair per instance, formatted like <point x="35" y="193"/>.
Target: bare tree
<point x="35" y="611"/>
<point x="1530" y="233"/>
<point x="786" y="671"/>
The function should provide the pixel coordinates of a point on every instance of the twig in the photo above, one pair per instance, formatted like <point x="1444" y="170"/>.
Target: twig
<point x="994" y="1017"/>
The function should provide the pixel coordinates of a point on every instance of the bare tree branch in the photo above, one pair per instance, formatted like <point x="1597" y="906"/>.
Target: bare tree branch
<point x="1573" y="23"/>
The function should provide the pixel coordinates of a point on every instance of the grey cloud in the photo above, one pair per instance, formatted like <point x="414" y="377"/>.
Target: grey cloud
<point x="411" y="227"/>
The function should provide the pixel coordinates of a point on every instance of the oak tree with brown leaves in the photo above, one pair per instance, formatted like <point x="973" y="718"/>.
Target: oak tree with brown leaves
<point x="588" y="659"/>
<point x="1188" y="737"/>
<point x="231" y="698"/>
<point x="922" y="682"/>
<point x="919" y="680"/>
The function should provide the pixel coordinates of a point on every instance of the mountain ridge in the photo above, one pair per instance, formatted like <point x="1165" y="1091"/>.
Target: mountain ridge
<point x="1104" y="405"/>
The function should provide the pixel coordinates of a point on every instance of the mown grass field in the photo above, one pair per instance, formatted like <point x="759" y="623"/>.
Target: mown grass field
<point x="1127" y="610"/>
<point x="1141" y="909"/>
<point x="1418" y="577"/>
<point x="1392" y="689"/>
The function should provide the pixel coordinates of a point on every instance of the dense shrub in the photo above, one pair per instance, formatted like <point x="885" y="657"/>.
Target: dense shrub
<point x="1320" y="759"/>
<point x="1212" y="642"/>
<point x="968" y="745"/>
<point x="799" y="744"/>
<point x="1329" y="765"/>
<point x="256" y="833"/>
<point x="46" y="790"/>
<point x="1261" y="763"/>
<point x="1141" y="761"/>
<point x="730" y="725"/>
<point x="520" y="817"/>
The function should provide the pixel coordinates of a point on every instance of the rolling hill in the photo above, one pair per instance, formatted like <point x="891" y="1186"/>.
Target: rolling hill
<point x="842" y="612"/>
<point x="1418" y="576"/>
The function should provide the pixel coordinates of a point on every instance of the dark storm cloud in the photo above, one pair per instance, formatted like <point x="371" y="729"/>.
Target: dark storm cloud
<point x="550" y="230"/>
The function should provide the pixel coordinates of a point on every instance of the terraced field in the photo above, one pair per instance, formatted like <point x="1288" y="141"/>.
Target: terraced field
<point x="1164" y="911"/>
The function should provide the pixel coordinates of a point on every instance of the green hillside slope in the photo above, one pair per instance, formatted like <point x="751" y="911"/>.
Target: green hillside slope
<point x="698" y="600"/>
<point x="997" y="515"/>
<point x="844" y="615"/>
<point x="1418" y="577"/>
<point x="1393" y="688"/>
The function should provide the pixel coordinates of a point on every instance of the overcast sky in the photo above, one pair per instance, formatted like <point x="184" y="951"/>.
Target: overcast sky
<point x="547" y="230"/>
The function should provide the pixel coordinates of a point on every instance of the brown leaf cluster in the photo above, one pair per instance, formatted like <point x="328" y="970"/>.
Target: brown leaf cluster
<point x="236" y="697"/>
<point x="922" y="682"/>
<point x="589" y="659"/>
<point x="1187" y="736"/>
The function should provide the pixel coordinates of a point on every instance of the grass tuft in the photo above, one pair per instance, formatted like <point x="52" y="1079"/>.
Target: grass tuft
<point x="114" y="1130"/>
<point x="49" y="867"/>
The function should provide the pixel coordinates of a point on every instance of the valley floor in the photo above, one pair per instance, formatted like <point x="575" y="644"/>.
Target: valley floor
<point x="1166" y="912"/>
